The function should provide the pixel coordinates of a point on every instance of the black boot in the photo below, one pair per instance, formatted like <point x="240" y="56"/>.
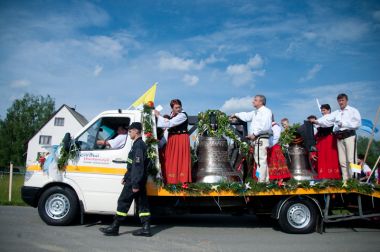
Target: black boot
<point x="113" y="229"/>
<point x="145" y="231"/>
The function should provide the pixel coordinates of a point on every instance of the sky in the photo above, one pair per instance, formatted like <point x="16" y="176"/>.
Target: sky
<point x="211" y="54"/>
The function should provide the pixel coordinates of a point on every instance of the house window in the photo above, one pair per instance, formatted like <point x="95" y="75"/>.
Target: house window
<point x="59" y="121"/>
<point x="45" y="139"/>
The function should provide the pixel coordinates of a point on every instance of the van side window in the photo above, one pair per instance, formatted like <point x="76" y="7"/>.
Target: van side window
<point x="103" y="129"/>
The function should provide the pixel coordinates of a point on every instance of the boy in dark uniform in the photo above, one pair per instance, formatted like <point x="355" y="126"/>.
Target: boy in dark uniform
<point x="134" y="182"/>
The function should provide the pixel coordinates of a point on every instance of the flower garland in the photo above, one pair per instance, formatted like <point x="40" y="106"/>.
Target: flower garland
<point x="150" y="141"/>
<point x="223" y="129"/>
<point x="252" y="187"/>
<point x="66" y="155"/>
<point x="288" y="136"/>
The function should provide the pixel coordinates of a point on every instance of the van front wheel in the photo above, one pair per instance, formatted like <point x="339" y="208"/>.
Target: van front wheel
<point x="58" y="206"/>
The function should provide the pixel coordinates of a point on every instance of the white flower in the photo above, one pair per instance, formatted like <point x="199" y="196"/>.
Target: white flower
<point x="214" y="187"/>
<point x="247" y="186"/>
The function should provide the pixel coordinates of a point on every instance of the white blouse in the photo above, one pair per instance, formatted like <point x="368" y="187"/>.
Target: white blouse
<point x="170" y="123"/>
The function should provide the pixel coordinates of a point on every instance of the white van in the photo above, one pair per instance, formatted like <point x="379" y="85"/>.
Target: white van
<point x="91" y="182"/>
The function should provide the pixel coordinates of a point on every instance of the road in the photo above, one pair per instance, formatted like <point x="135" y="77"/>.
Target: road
<point x="21" y="229"/>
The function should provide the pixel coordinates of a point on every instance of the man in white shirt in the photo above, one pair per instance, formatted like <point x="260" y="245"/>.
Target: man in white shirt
<point x="259" y="133"/>
<point x="118" y="142"/>
<point x="346" y="121"/>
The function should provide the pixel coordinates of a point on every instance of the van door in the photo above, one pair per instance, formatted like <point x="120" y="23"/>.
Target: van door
<point x="99" y="169"/>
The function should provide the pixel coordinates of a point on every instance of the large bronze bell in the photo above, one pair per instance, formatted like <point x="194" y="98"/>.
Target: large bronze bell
<point x="213" y="163"/>
<point x="299" y="163"/>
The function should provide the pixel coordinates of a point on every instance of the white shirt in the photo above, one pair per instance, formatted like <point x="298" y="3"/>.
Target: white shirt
<point x="175" y="121"/>
<point x="347" y="119"/>
<point x="118" y="142"/>
<point x="273" y="140"/>
<point x="261" y="120"/>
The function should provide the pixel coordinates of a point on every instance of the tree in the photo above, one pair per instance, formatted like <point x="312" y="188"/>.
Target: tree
<point x="23" y="119"/>
<point x="373" y="152"/>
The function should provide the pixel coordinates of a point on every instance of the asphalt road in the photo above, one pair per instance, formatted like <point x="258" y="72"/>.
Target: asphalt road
<point x="21" y="229"/>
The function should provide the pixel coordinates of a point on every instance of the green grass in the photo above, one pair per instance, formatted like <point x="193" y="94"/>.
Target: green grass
<point x="18" y="181"/>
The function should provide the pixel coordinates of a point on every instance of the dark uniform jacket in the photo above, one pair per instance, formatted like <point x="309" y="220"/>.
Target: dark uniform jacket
<point x="137" y="164"/>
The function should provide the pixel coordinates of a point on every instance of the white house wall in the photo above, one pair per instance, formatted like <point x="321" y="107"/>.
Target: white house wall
<point x="56" y="132"/>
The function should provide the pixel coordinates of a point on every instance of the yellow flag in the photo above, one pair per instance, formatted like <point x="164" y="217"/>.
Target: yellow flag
<point x="146" y="97"/>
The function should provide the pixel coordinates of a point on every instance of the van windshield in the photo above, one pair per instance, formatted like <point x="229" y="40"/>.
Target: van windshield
<point x="103" y="129"/>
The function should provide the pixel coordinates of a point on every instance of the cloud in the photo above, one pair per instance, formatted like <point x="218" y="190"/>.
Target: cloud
<point x="235" y="104"/>
<point x="22" y="83"/>
<point x="311" y="73"/>
<point x="98" y="69"/>
<point x="346" y="30"/>
<point x="190" y="80"/>
<point x="255" y="62"/>
<point x="169" y="62"/>
<point x="376" y="15"/>
<point x="242" y="74"/>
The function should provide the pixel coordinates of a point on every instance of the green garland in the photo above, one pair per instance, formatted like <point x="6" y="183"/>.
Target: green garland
<point x="150" y="141"/>
<point x="288" y="136"/>
<point x="65" y="156"/>
<point x="223" y="129"/>
<point x="252" y="187"/>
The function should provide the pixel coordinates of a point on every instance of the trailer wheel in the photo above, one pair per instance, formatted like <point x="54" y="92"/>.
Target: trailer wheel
<point x="298" y="216"/>
<point x="58" y="206"/>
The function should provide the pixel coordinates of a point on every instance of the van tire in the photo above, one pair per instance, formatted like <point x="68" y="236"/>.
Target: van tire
<point x="58" y="206"/>
<point x="298" y="216"/>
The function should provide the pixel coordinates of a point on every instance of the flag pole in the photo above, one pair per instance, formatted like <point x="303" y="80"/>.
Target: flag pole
<point x="372" y="135"/>
<point x="319" y="105"/>
<point x="374" y="169"/>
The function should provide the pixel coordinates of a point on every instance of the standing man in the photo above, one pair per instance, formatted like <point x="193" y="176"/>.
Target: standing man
<point x="285" y="123"/>
<point x="134" y="182"/>
<point x="259" y="133"/>
<point x="345" y="122"/>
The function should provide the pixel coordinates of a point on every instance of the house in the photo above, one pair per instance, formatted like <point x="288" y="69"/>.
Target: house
<point x="64" y="120"/>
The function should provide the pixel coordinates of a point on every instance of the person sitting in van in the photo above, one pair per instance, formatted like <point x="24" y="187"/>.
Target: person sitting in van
<point x="117" y="142"/>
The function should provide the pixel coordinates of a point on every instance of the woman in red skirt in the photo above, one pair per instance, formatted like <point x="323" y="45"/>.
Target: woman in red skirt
<point x="327" y="161"/>
<point x="177" y="163"/>
<point x="277" y="167"/>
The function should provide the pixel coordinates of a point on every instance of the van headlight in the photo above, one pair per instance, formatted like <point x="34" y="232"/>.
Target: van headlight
<point x="28" y="175"/>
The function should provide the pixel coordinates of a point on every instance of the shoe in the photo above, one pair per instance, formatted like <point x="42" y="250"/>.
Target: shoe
<point x="111" y="230"/>
<point x="145" y="231"/>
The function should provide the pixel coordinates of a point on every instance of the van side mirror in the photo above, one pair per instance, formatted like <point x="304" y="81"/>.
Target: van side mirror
<point x="66" y="141"/>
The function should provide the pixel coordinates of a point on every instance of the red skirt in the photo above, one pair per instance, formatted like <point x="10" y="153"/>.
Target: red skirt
<point x="328" y="162"/>
<point x="277" y="167"/>
<point x="177" y="168"/>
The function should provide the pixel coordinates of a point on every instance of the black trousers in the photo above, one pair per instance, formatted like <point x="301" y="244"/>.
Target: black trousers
<point x="125" y="201"/>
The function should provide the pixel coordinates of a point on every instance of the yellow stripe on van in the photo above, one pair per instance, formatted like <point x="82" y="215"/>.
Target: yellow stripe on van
<point x="97" y="170"/>
<point x="85" y="169"/>
<point x="33" y="168"/>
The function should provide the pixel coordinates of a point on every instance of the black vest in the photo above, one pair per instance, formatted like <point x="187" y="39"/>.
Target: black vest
<point x="322" y="132"/>
<point x="180" y="129"/>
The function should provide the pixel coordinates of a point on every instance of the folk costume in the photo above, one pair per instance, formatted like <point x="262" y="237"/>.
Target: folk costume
<point x="277" y="166"/>
<point x="177" y="163"/>
<point x="327" y="162"/>
<point x="261" y="122"/>
<point x="345" y="122"/>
